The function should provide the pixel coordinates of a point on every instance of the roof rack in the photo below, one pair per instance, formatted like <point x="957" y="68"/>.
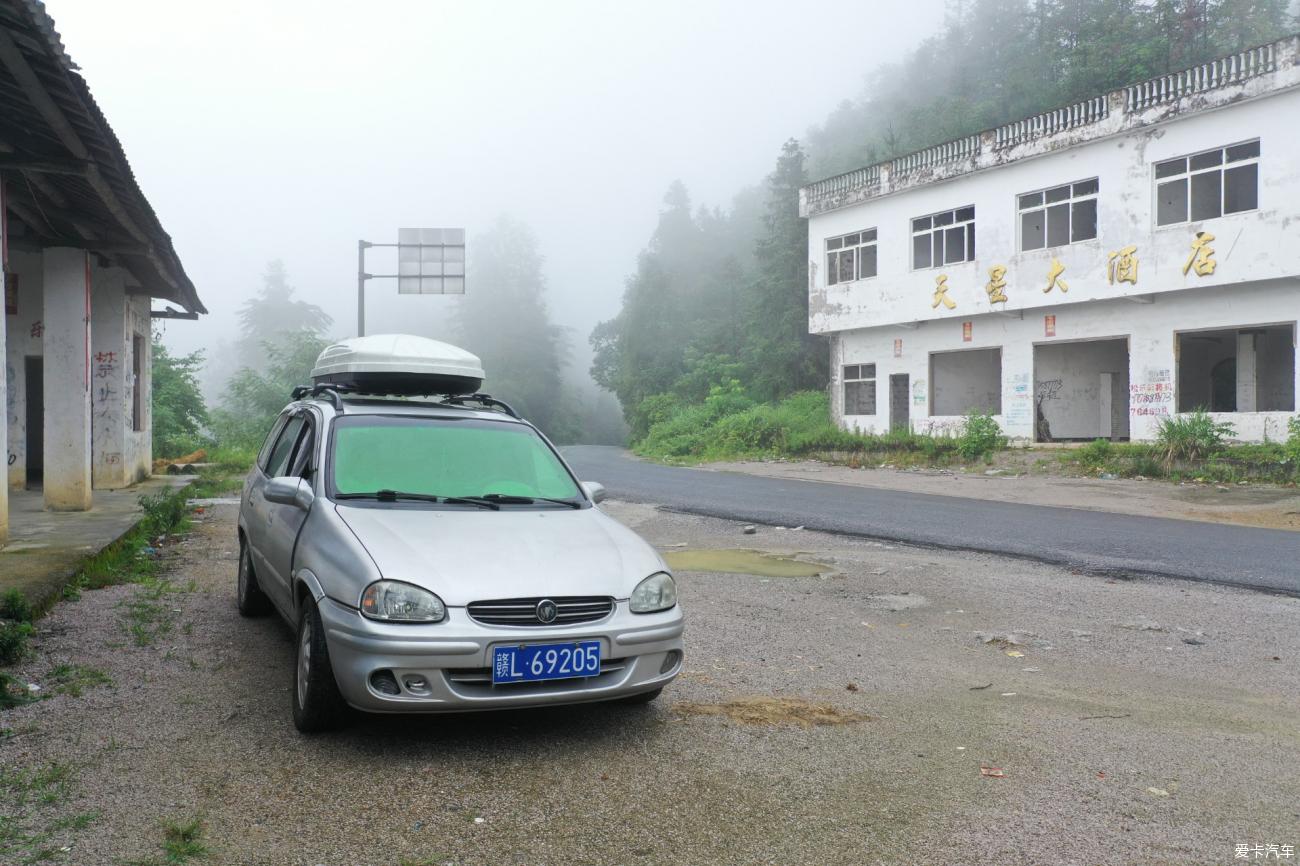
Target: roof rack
<point x="335" y="392"/>
<point x="483" y="400"/>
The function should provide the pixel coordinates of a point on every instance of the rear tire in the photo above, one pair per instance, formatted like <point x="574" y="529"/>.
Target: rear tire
<point x="643" y="698"/>
<point x="252" y="601"/>
<point x="317" y="704"/>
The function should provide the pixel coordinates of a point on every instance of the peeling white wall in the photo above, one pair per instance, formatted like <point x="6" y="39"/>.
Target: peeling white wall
<point x="1253" y="246"/>
<point x="1150" y="330"/>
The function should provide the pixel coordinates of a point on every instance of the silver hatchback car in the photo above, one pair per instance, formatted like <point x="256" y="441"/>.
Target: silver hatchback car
<point x="441" y="556"/>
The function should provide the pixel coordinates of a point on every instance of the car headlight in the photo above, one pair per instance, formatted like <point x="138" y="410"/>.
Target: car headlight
<point x="656" y="592"/>
<point x="392" y="601"/>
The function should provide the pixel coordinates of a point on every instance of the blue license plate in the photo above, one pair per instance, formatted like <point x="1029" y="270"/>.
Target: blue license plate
<point x="550" y="661"/>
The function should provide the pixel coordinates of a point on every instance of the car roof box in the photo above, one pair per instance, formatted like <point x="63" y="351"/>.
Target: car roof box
<point x="400" y="364"/>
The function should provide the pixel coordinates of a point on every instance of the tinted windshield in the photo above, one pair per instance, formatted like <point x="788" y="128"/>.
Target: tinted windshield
<point x="445" y="457"/>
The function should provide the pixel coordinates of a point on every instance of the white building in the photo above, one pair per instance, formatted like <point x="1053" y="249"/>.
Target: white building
<point x="83" y="255"/>
<point x="1078" y="274"/>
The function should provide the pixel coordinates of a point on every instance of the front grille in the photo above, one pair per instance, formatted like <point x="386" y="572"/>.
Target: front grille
<point x="523" y="611"/>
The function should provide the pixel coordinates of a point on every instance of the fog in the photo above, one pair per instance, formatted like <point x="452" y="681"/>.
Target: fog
<point x="289" y="130"/>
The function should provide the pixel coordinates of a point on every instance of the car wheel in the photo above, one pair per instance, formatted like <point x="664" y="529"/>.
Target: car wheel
<point x="317" y="704"/>
<point x="252" y="601"/>
<point x="643" y="698"/>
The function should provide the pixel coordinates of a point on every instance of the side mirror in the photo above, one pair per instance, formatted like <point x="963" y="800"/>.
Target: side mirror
<point x="287" y="490"/>
<point x="595" y="490"/>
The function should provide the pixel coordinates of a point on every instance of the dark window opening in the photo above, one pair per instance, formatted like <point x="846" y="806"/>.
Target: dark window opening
<point x="1248" y="369"/>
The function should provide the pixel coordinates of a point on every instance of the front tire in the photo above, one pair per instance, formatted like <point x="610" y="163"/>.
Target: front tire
<point x="252" y="601"/>
<point x="317" y="704"/>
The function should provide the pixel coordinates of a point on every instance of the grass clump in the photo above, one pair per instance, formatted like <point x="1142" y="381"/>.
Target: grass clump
<point x="182" y="841"/>
<point x="1193" y="436"/>
<point x="74" y="680"/>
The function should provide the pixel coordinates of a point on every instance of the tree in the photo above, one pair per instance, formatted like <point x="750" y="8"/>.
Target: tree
<point x="256" y="395"/>
<point x="274" y="312"/>
<point x="505" y="321"/>
<point x="179" y="414"/>
<point x="780" y="355"/>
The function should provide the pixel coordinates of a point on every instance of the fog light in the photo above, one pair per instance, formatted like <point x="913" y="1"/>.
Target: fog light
<point x="415" y="683"/>
<point x="670" y="661"/>
<point x="385" y="683"/>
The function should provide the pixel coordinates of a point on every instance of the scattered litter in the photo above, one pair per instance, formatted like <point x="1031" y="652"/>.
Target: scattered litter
<point x="995" y="472"/>
<point x="961" y="748"/>
<point x="980" y="688"/>
<point x="1115" y="716"/>
<point x="1015" y="654"/>
<point x="1031" y="670"/>
<point x="1000" y="638"/>
<point x="851" y="687"/>
<point x="1191" y="641"/>
<point x="1101" y="774"/>
<point x="773" y="711"/>
<point x="750" y="529"/>
<point x="1159" y="792"/>
<point x="478" y="820"/>
<point x="1008" y="694"/>
<point x="1108" y="476"/>
<point x="878" y="571"/>
<point x="796" y="528"/>
<point x="33" y="688"/>
<point x="1074" y="632"/>
<point x="992" y="772"/>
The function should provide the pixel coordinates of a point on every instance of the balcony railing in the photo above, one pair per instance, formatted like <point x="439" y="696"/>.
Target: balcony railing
<point x="1108" y="113"/>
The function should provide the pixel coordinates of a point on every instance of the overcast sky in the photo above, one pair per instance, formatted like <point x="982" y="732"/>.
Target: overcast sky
<point x="291" y="128"/>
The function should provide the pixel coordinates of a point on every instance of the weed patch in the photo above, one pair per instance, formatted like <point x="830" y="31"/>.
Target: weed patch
<point x="28" y="797"/>
<point x="74" y="680"/>
<point x="182" y="841"/>
<point x="148" y="615"/>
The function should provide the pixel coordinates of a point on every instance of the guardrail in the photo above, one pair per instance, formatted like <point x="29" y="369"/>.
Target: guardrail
<point x="1213" y="75"/>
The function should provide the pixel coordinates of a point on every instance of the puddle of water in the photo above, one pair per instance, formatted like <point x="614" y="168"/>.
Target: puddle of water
<point x="773" y="712"/>
<point x="753" y="562"/>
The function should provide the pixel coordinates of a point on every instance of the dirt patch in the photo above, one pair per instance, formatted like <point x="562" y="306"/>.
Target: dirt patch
<point x="754" y="562"/>
<point x="773" y="712"/>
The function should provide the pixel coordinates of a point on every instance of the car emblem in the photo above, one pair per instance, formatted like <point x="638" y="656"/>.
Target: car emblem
<point x="546" y="611"/>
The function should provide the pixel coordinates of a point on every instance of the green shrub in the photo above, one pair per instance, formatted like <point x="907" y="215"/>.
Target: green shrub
<point x="1292" y="445"/>
<point x="15" y="606"/>
<point x="980" y="436"/>
<point x="13" y="641"/>
<point x="1095" y="453"/>
<point x="1191" y="437"/>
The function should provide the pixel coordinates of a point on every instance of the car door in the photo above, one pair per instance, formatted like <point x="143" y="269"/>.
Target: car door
<point x="284" y="522"/>
<point x="262" y="513"/>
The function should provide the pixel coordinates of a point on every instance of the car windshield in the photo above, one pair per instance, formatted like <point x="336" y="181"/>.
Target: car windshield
<point x="445" y="457"/>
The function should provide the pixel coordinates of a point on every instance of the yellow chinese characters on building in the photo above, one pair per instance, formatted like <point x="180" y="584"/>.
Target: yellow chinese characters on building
<point x="1122" y="267"/>
<point x="1202" y="258"/>
<point x="997" y="285"/>
<point x="941" y="293"/>
<point x="1054" y="280"/>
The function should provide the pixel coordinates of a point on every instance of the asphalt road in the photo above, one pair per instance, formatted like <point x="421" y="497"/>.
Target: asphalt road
<point x="1092" y="541"/>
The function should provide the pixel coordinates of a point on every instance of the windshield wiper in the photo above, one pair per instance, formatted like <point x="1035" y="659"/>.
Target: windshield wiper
<point x="387" y="495"/>
<point x="511" y="499"/>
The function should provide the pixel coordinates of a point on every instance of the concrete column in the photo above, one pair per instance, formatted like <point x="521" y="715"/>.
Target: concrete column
<point x="5" y="399"/>
<point x="67" y="379"/>
<point x="110" y="369"/>
<point x="1247" y="372"/>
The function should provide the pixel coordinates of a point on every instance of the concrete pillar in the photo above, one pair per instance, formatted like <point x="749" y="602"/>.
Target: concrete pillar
<point x="1247" y="372"/>
<point x="110" y="369"/>
<point x="67" y="379"/>
<point x="5" y="399"/>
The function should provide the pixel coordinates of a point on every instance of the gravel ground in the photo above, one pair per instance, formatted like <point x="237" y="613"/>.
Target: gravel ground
<point x="1143" y="722"/>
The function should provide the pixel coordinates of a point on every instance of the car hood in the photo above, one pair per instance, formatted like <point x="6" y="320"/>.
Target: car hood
<point x="467" y="555"/>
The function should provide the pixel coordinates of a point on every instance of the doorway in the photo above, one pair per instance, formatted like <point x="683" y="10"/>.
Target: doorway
<point x="900" y="390"/>
<point x="35" y="385"/>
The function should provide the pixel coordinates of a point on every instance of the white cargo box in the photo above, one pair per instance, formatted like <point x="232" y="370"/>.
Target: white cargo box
<point x="398" y="364"/>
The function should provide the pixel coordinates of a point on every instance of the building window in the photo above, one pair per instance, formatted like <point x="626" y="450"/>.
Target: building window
<point x="1208" y="185"/>
<point x="137" y="382"/>
<point x="851" y="257"/>
<point x="944" y="238"/>
<point x="1058" y="216"/>
<point x="860" y="389"/>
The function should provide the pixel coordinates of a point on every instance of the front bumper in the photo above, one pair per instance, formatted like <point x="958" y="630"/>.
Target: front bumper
<point x="639" y="653"/>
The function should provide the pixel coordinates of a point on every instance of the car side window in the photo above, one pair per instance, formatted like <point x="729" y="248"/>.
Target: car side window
<point x="279" y="460"/>
<point x="272" y="437"/>
<point x="301" y="460"/>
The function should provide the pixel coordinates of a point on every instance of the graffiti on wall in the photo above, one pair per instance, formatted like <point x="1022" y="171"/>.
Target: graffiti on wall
<point x="106" y="365"/>
<point x="1153" y="394"/>
<point x="1017" y="410"/>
